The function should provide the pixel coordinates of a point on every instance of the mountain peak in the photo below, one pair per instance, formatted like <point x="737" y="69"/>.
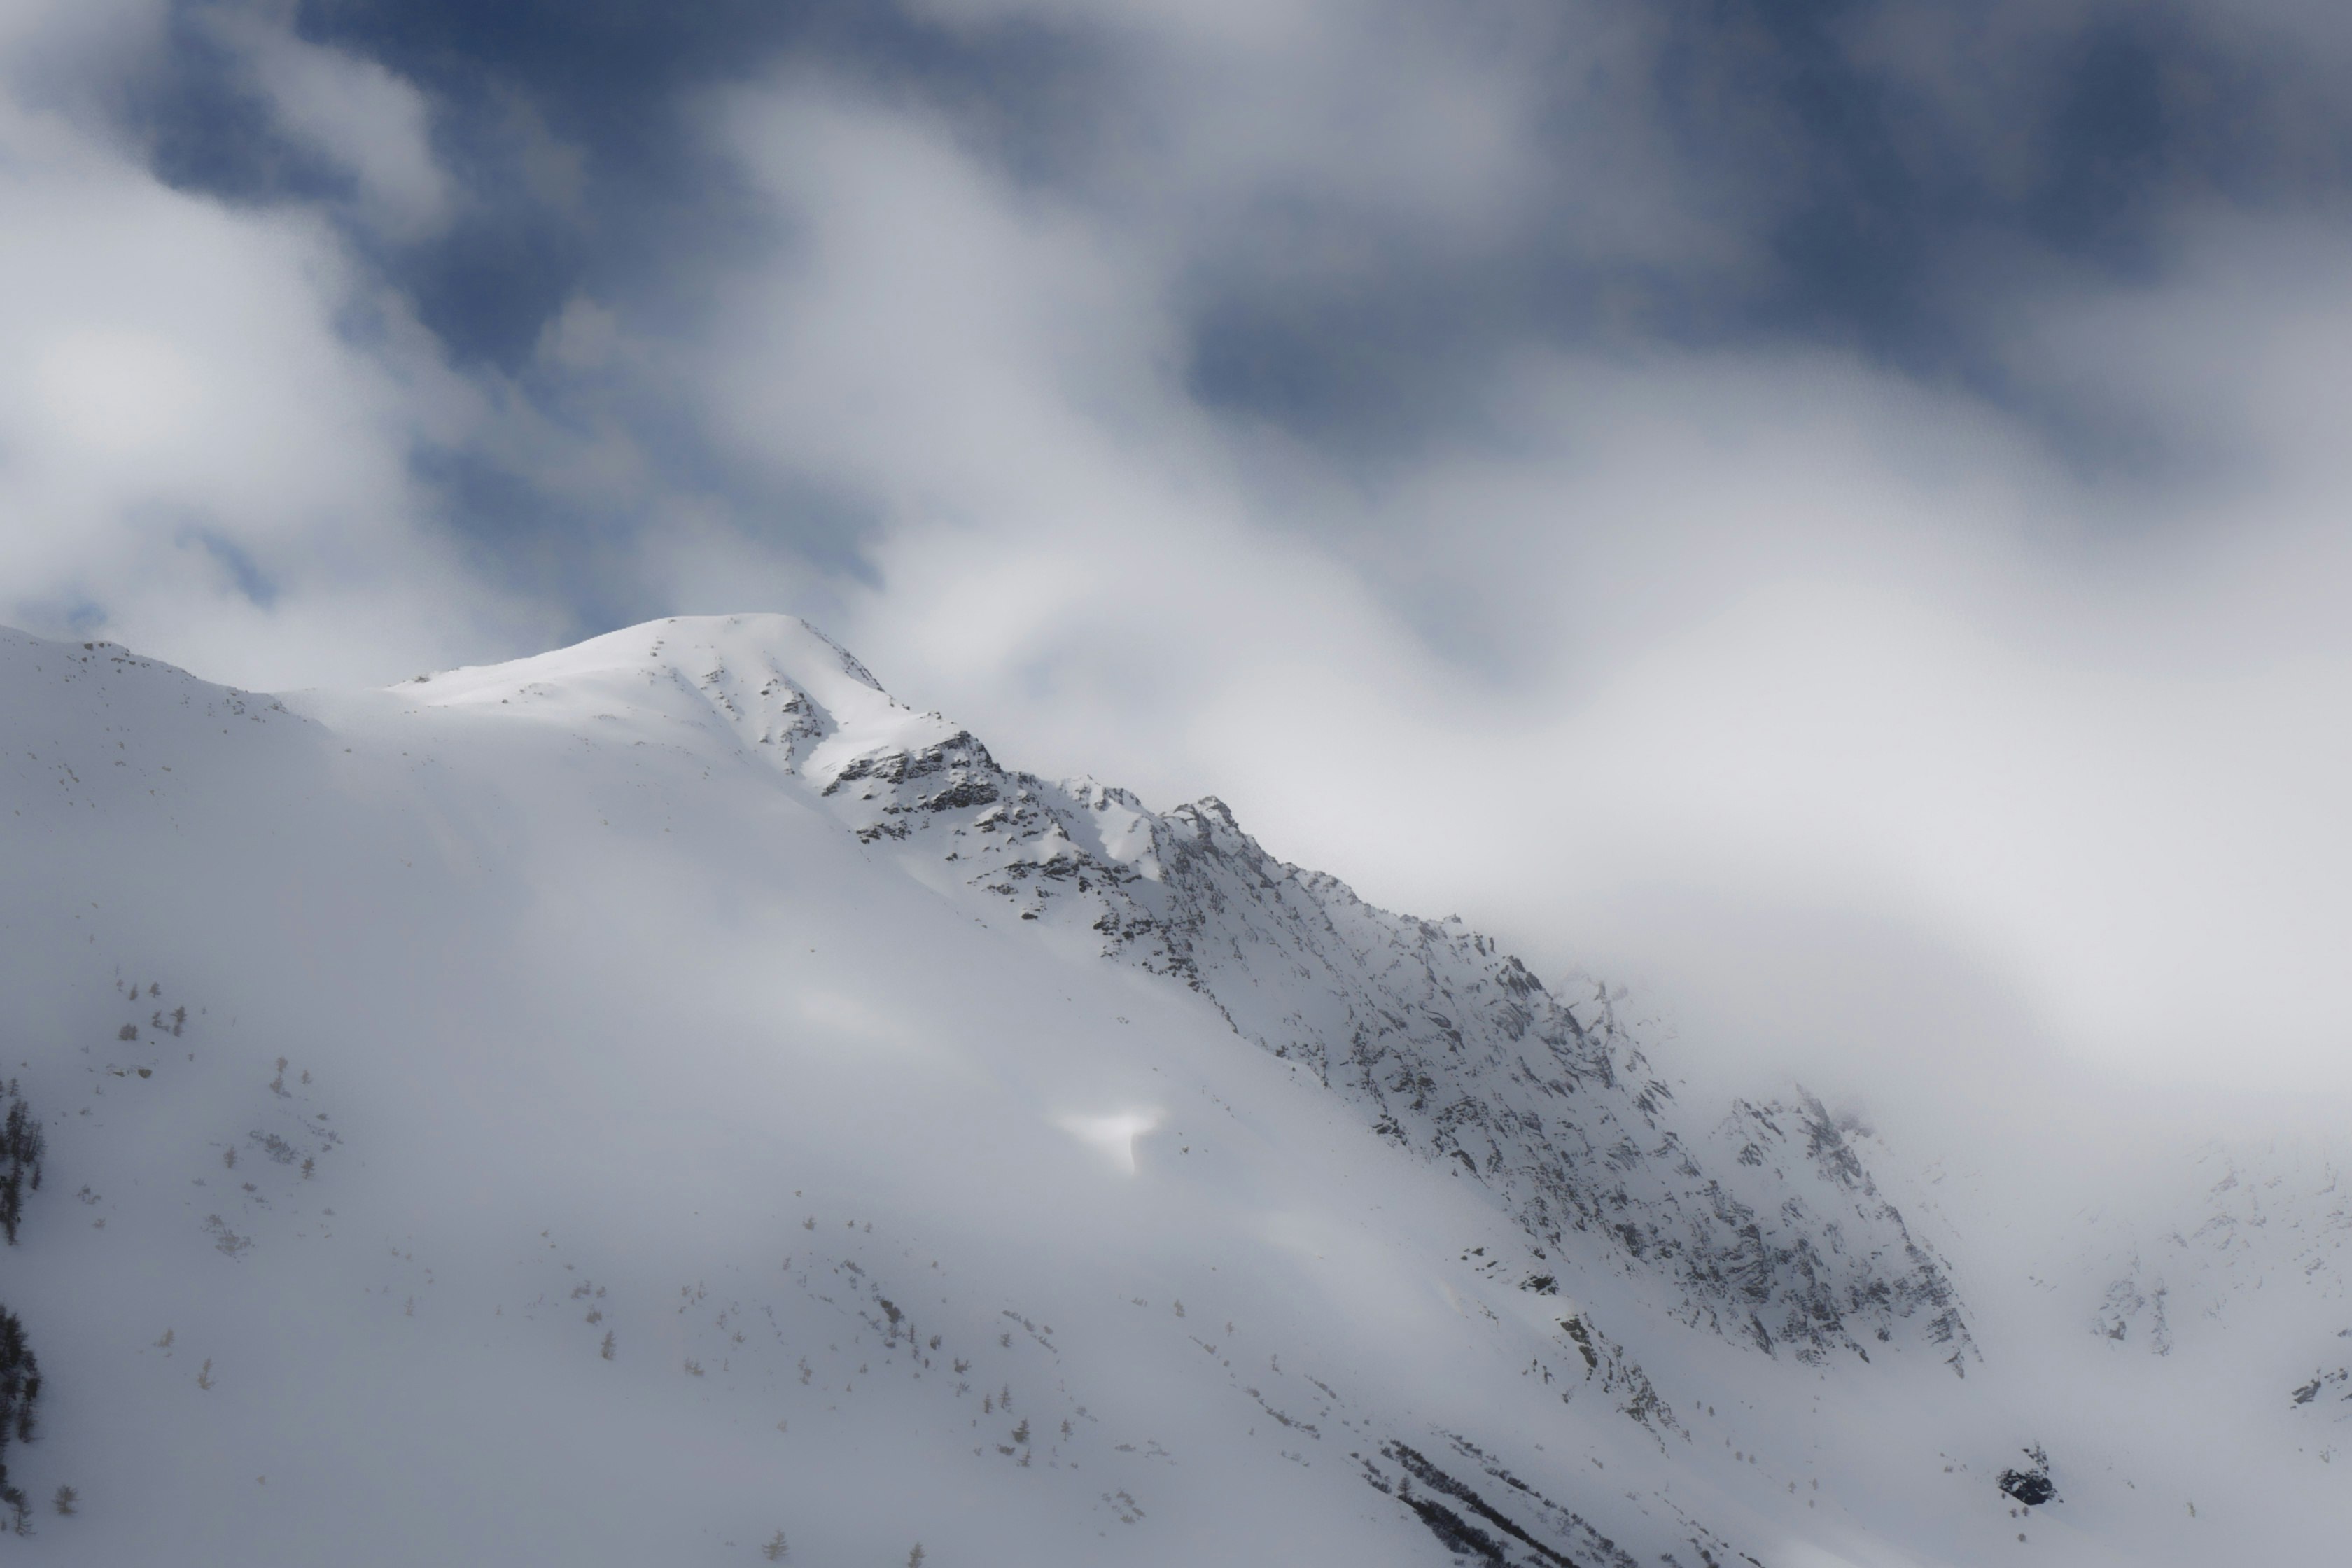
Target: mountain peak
<point x="782" y="645"/>
<point x="772" y="685"/>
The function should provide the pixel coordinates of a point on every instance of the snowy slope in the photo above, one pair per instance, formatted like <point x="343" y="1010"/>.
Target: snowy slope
<point x="942" y="1155"/>
<point x="1762" y="1216"/>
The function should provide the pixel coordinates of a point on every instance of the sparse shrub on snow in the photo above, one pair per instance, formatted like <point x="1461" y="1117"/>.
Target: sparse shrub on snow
<point x="20" y="1396"/>
<point x="776" y="1549"/>
<point x="21" y="1147"/>
<point x="20" y="1382"/>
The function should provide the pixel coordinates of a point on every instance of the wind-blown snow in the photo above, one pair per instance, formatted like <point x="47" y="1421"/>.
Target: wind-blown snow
<point x="1115" y="1135"/>
<point x="943" y="1155"/>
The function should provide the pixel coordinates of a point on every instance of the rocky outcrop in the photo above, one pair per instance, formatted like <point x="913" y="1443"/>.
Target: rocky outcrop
<point x="1765" y="1219"/>
<point x="2329" y="1391"/>
<point x="2031" y="1486"/>
<point x="2239" y="1221"/>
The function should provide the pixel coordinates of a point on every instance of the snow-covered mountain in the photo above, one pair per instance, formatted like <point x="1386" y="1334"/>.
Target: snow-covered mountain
<point x="668" y="1100"/>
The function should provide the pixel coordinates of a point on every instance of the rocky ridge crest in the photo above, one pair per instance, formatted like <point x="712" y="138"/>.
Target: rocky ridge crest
<point x="1761" y="1221"/>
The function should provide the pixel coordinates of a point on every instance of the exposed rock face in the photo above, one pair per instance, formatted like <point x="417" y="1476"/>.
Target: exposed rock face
<point x="1762" y="1222"/>
<point x="1458" y="1512"/>
<point x="2328" y="1391"/>
<point x="2244" y="1221"/>
<point x="2031" y="1486"/>
<point x="2135" y="1300"/>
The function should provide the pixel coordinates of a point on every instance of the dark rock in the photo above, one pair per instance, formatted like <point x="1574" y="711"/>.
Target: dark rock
<point x="2032" y="1486"/>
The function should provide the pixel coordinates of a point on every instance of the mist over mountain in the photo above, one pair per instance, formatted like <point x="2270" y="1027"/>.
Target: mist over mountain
<point x="672" y="1099"/>
<point x="1589" y="808"/>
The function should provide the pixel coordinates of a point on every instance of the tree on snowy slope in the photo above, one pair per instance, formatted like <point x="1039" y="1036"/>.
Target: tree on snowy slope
<point x="21" y="1147"/>
<point x="20" y="1394"/>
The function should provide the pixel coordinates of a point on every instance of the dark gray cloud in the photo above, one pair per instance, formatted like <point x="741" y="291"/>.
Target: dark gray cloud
<point x="615" y="88"/>
<point x="1886" y="179"/>
<point x="577" y="137"/>
<point x="1885" y="196"/>
<point x="1901" y="182"/>
<point x="1355" y="218"/>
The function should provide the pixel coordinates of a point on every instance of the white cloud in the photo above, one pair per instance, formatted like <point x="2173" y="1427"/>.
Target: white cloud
<point x="1837" y="711"/>
<point x="195" y="455"/>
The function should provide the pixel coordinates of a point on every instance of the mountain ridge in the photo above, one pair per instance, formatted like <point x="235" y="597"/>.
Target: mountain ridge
<point x="1425" y="1025"/>
<point x="1142" y="1185"/>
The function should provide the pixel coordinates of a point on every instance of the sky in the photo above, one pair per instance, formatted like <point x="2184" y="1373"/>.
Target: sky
<point x="1827" y="513"/>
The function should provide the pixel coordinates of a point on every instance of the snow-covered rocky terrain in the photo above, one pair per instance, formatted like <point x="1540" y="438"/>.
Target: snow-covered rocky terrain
<point x="668" y="1101"/>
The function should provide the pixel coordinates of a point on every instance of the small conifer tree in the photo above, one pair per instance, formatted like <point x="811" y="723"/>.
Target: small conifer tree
<point x="20" y="1395"/>
<point x="21" y="1148"/>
